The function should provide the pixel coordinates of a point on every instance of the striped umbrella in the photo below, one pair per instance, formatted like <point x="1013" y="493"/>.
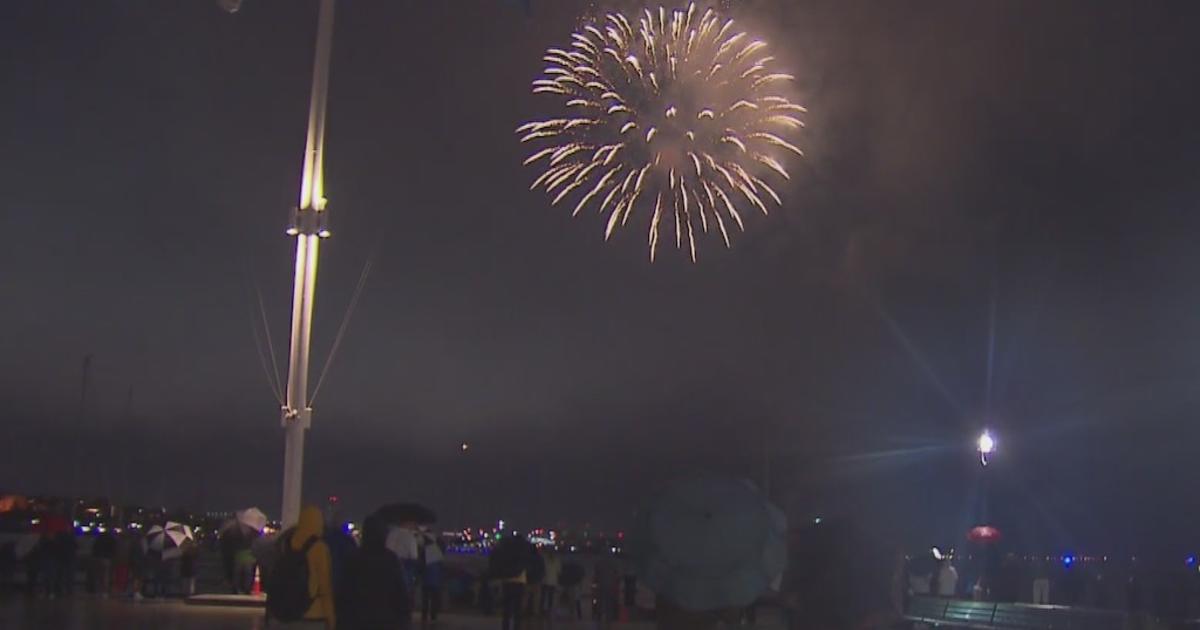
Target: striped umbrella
<point x="169" y="536"/>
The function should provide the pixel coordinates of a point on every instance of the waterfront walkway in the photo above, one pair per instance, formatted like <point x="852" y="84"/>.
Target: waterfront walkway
<point x="83" y="613"/>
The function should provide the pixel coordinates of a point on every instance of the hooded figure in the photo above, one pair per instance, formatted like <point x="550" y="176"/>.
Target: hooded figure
<point x="375" y="594"/>
<point x="320" y="572"/>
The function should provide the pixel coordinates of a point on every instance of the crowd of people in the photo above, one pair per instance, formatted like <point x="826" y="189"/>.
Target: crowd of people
<point x="318" y="572"/>
<point x="539" y="583"/>
<point x="397" y="572"/>
<point x="113" y="564"/>
<point x="384" y="575"/>
<point x="388" y="573"/>
<point x="1167" y="591"/>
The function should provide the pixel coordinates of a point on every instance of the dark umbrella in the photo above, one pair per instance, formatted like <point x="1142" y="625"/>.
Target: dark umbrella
<point x="398" y="513"/>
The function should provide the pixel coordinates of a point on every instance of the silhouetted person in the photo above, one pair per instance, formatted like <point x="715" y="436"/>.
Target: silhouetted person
<point x="1072" y="586"/>
<point x="608" y="588"/>
<point x="553" y="565"/>
<point x="374" y="594"/>
<point x="511" y="562"/>
<point x="301" y="587"/>
<point x="187" y="568"/>
<point x="487" y="603"/>
<point x="100" y="568"/>
<point x="63" y="550"/>
<point x="35" y="565"/>
<point x="839" y="578"/>
<point x="341" y="548"/>
<point x="947" y="579"/>
<point x="229" y="542"/>
<point x="573" y="581"/>
<point x="138" y="563"/>
<point x="153" y="574"/>
<point x="431" y="578"/>
<point x="1041" y="582"/>
<point x="8" y="562"/>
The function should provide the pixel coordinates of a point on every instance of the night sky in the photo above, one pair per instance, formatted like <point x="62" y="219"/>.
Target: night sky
<point x="994" y="225"/>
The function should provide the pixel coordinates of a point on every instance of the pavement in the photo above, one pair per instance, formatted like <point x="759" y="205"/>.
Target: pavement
<point x="85" y="613"/>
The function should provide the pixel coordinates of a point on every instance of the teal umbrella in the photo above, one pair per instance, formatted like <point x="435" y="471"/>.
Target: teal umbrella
<point x="710" y="543"/>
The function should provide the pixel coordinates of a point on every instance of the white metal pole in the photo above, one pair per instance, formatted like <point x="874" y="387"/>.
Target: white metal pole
<point x="308" y="228"/>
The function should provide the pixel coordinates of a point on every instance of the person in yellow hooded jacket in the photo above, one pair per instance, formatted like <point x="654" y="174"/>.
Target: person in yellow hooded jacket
<point x="320" y="566"/>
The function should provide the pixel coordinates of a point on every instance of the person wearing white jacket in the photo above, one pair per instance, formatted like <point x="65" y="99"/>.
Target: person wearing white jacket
<point x="947" y="579"/>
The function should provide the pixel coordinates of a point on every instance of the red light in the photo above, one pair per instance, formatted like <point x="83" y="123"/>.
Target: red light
<point x="620" y="535"/>
<point x="333" y="499"/>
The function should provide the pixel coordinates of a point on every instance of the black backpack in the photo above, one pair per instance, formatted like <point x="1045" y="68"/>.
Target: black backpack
<point x="288" y="598"/>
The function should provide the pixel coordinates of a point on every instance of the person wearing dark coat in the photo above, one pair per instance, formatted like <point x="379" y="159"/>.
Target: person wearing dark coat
<point x="228" y="546"/>
<point x="35" y="565"/>
<point x="64" y="549"/>
<point x="512" y="563"/>
<point x="341" y="547"/>
<point x="100" y="569"/>
<point x="187" y="568"/>
<point x="375" y="594"/>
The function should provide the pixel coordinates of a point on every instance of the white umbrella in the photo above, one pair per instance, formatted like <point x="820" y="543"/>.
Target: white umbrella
<point x="252" y="518"/>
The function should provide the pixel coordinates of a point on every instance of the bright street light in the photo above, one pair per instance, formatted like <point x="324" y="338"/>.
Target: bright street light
<point x="986" y="446"/>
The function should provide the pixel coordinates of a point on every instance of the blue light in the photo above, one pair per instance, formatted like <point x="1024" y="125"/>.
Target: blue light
<point x="1191" y="560"/>
<point x="1068" y="560"/>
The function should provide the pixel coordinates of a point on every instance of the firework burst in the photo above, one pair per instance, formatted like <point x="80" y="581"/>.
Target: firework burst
<point x="674" y="111"/>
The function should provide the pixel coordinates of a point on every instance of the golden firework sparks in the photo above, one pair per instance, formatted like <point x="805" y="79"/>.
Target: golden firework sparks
<point x="677" y="110"/>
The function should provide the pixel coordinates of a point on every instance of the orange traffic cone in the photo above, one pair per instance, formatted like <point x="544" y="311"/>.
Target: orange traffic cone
<point x="257" y="588"/>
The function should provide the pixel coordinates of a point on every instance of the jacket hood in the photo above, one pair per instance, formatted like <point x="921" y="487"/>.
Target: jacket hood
<point x="311" y="524"/>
